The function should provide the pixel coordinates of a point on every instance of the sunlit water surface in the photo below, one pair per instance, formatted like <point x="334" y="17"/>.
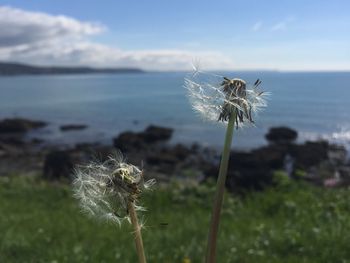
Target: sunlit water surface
<point x="315" y="104"/>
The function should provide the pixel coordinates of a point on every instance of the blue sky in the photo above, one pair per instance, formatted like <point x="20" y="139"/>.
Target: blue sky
<point x="168" y="35"/>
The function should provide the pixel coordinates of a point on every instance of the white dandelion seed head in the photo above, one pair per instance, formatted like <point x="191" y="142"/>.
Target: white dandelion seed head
<point x="105" y="188"/>
<point x="216" y="97"/>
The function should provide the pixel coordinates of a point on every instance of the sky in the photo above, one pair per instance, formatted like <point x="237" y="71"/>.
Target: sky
<point x="295" y="35"/>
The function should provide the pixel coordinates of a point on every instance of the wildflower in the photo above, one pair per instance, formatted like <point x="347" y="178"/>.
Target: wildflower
<point x="104" y="189"/>
<point x="218" y="99"/>
<point x="110" y="190"/>
<point x="225" y="100"/>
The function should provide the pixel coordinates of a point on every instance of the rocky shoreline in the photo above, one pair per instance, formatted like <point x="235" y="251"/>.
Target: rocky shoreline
<point x="317" y="162"/>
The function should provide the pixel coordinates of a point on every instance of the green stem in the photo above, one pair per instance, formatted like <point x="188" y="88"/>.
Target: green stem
<point x="219" y="194"/>
<point x="137" y="229"/>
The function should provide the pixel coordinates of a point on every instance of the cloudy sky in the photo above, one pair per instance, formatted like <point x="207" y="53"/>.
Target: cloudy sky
<point x="169" y="35"/>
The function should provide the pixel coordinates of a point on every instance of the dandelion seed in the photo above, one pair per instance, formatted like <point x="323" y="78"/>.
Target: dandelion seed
<point x="110" y="191"/>
<point x="105" y="188"/>
<point x="216" y="97"/>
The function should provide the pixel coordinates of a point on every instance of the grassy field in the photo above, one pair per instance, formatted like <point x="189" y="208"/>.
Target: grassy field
<point x="41" y="222"/>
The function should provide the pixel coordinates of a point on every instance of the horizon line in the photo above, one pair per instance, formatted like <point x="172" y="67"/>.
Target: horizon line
<point x="179" y="70"/>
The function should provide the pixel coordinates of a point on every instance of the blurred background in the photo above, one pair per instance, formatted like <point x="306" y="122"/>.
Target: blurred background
<point x="81" y="79"/>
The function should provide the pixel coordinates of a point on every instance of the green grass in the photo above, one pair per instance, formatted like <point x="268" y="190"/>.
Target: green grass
<point x="41" y="222"/>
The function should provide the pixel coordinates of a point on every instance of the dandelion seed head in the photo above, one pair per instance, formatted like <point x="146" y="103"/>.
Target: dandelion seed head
<point x="105" y="188"/>
<point x="216" y="98"/>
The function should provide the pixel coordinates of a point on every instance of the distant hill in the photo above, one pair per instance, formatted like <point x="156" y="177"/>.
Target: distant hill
<point x="10" y="69"/>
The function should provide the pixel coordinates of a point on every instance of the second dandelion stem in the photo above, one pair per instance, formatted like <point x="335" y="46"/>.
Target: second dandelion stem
<point x="137" y="229"/>
<point x="219" y="194"/>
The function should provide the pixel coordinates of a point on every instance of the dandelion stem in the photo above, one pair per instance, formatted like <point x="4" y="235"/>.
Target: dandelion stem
<point x="137" y="229"/>
<point x="219" y="194"/>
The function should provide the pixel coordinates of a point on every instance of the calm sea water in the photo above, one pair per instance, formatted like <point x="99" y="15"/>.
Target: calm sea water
<point x="315" y="104"/>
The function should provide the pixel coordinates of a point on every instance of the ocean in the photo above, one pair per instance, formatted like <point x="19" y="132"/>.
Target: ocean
<point x="315" y="104"/>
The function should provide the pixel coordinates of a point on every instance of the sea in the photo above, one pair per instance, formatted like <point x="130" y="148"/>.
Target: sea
<point x="316" y="104"/>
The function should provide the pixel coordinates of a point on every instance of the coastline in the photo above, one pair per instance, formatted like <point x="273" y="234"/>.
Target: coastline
<point x="19" y="69"/>
<point x="317" y="161"/>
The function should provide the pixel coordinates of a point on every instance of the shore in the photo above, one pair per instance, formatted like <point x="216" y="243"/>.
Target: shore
<point x="318" y="162"/>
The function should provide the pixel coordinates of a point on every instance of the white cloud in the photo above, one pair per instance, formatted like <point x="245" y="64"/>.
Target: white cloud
<point x="282" y="25"/>
<point x="257" y="26"/>
<point x="40" y="38"/>
<point x="279" y="26"/>
<point x="23" y="27"/>
<point x="97" y="55"/>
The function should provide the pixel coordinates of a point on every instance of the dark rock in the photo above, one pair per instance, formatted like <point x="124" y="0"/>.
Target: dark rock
<point x="70" y="127"/>
<point x="155" y="134"/>
<point x="18" y="125"/>
<point x="13" y="140"/>
<point x="128" y="141"/>
<point x="248" y="180"/>
<point x="247" y="171"/>
<point x="161" y="159"/>
<point x="344" y="172"/>
<point x="281" y="135"/>
<point x="58" y="164"/>
<point x="252" y="171"/>
<point x="310" y="154"/>
<point x="272" y="156"/>
<point x="267" y="158"/>
<point x="85" y="152"/>
<point x="321" y="171"/>
<point x="244" y="160"/>
<point x="37" y="141"/>
<point x="169" y="158"/>
<point x="195" y="148"/>
<point x="136" y="141"/>
<point x="9" y="149"/>
<point x="180" y="151"/>
<point x="337" y="154"/>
